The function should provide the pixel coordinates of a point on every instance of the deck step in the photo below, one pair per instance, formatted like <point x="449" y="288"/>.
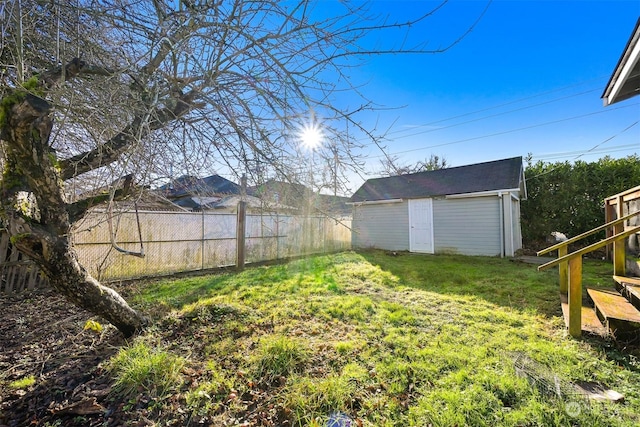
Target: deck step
<point x="618" y="314"/>
<point x="630" y="280"/>
<point x="590" y="321"/>
<point x="629" y="287"/>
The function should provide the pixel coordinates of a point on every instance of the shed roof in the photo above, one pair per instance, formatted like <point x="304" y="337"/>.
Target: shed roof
<point x="625" y="80"/>
<point x="496" y="175"/>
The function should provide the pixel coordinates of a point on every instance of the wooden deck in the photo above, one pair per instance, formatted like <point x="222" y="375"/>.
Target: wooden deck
<point x="590" y="321"/>
<point x="629" y="287"/>
<point x="615" y="311"/>
<point x="635" y="281"/>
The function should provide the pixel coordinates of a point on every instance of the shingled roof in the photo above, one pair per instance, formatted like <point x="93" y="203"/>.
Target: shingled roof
<point x="497" y="175"/>
<point x="187" y="185"/>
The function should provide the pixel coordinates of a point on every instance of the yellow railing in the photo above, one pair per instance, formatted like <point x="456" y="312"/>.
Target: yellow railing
<point x="570" y="265"/>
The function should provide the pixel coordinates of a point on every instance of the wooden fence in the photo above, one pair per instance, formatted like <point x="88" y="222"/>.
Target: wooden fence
<point x="17" y="272"/>
<point x="174" y="242"/>
<point x="618" y="206"/>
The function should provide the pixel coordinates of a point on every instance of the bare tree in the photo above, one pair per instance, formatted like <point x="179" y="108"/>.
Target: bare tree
<point x="97" y="89"/>
<point x="391" y="165"/>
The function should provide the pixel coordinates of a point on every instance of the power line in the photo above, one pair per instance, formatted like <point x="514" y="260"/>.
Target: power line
<point x="609" y="139"/>
<point x="516" y="101"/>
<point x="497" y="114"/>
<point x="510" y="130"/>
<point x="563" y="155"/>
<point x="589" y="150"/>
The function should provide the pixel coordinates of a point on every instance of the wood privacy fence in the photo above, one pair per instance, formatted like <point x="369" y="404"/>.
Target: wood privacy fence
<point x="175" y="242"/>
<point x="17" y="272"/>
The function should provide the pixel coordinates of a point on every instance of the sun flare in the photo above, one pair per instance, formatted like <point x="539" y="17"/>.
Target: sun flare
<point x="311" y="135"/>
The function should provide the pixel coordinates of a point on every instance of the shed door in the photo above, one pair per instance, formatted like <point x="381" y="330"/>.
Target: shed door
<point x="421" y="225"/>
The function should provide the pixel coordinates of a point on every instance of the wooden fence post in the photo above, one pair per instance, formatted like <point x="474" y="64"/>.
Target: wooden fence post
<point x="202" y="244"/>
<point x="241" y="225"/>
<point x="240" y="234"/>
<point x="575" y="297"/>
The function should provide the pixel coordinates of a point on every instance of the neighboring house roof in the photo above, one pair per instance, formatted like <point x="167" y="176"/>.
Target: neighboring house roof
<point x="287" y="193"/>
<point x="298" y="196"/>
<point x="195" y="202"/>
<point x="497" y="175"/>
<point x="149" y="201"/>
<point x="187" y="185"/>
<point x="252" y="203"/>
<point x="330" y="204"/>
<point x="143" y="200"/>
<point x="137" y="197"/>
<point x="625" y="80"/>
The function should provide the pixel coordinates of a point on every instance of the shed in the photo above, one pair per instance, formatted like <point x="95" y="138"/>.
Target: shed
<point x="469" y="210"/>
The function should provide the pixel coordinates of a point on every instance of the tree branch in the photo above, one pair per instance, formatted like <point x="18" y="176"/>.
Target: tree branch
<point x="111" y="150"/>
<point x="78" y="209"/>
<point x="73" y="69"/>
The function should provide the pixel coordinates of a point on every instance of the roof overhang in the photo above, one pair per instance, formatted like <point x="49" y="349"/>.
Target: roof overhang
<point x="375" y="202"/>
<point x="484" y="193"/>
<point x="625" y="80"/>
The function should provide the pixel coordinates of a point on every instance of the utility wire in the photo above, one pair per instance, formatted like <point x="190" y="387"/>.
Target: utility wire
<point x="509" y="131"/>
<point x="588" y="151"/>
<point x="496" y="114"/>
<point x="516" y="101"/>
<point x="563" y="155"/>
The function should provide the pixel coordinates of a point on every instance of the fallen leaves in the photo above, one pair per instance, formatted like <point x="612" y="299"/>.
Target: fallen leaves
<point x="86" y="406"/>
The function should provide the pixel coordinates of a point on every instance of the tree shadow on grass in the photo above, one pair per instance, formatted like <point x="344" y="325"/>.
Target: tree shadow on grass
<point x="496" y="280"/>
<point x="503" y="282"/>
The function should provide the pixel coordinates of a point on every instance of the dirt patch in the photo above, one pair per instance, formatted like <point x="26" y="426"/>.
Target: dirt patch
<point x="43" y="337"/>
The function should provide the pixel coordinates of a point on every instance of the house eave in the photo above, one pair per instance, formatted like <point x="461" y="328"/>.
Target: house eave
<point x="483" y="193"/>
<point x="625" y="80"/>
<point x="375" y="202"/>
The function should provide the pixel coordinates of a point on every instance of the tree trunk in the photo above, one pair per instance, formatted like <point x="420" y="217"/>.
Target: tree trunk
<point x="72" y="280"/>
<point x="36" y="213"/>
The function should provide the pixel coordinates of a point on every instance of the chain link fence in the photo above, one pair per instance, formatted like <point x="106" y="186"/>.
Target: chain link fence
<point x="174" y="242"/>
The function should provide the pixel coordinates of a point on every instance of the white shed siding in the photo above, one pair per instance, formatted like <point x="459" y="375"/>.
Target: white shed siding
<point x="517" y="227"/>
<point x="382" y="226"/>
<point x="468" y="226"/>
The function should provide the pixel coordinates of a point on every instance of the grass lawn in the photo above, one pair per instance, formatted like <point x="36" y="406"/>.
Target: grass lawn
<point x="408" y="340"/>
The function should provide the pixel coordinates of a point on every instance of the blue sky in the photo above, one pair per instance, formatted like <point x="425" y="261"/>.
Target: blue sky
<point x="527" y="79"/>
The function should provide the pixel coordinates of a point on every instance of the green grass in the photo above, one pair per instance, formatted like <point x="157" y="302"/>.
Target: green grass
<point x="413" y="340"/>
<point x="279" y="356"/>
<point x="145" y="367"/>
<point x="210" y="393"/>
